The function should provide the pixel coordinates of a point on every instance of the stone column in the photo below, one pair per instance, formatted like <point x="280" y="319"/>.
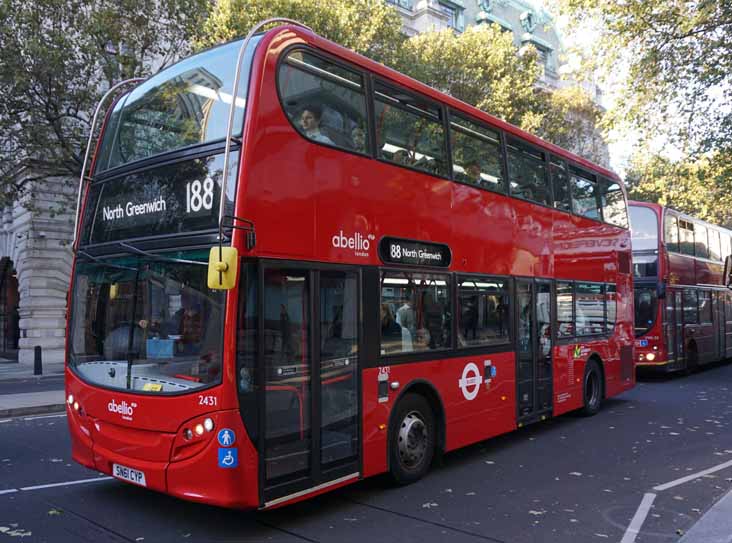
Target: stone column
<point x="42" y="254"/>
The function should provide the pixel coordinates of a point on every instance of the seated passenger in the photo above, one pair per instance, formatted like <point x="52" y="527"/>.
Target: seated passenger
<point x="472" y="172"/>
<point x="310" y="124"/>
<point x="358" y="139"/>
<point x="401" y="157"/>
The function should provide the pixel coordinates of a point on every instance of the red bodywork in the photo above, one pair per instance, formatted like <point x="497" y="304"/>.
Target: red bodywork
<point x="668" y="341"/>
<point x="299" y="195"/>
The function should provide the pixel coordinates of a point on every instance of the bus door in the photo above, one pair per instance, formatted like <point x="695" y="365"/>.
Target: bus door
<point x="669" y="327"/>
<point x="534" y="350"/>
<point x="309" y="404"/>
<point x="679" y="313"/>
<point x="720" y="323"/>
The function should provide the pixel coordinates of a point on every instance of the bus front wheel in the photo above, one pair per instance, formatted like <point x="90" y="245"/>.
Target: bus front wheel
<point x="412" y="439"/>
<point x="591" y="388"/>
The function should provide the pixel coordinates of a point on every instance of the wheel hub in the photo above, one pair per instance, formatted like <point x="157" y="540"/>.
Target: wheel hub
<point x="412" y="440"/>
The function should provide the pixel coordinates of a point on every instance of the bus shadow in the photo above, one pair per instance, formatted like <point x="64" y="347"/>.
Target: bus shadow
<point x="645" y="375"/>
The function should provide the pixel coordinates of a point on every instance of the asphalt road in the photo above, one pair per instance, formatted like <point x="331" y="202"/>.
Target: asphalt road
<point x="568" y="479"/>
<point x="32" y="384"/>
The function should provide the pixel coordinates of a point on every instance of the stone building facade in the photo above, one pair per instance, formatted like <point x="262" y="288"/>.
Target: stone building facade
<point x="35" y="266"/>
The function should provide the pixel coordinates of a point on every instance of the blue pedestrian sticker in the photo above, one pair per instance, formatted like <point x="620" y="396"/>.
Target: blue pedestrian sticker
<point x="644" y="343"/>
<point x="226" y="437"/>
<point x="228" y="458"/>
<point x="493" y="372"/>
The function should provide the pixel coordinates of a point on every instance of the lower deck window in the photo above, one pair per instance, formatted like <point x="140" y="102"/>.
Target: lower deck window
<point x="415" y="312"/>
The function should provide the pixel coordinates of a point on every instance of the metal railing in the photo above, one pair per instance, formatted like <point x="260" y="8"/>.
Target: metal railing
<point x="83" y="177"/>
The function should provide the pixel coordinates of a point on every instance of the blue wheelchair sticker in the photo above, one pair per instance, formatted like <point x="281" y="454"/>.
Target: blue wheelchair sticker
<point x="644" y="343"/>
<point x="226" y="437"/>
<point x="228" y="458"/>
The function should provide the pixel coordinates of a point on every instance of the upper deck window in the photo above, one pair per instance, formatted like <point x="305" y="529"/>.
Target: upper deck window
<point x="527" y="173"/>
<point x="324" y="101"/>
<point x="671" y="232"/>
<point x="686" y="231"/>
<point x="184" y="105"/>
<point x="715" y="252"/>
<point x="584" y="195"/>
<point x="614" y="210"/>
<point x="409" y="130"/>
<point x="476" y="154"/>
<point x="701" y="243"/>
<point x="644" y="228"/>
<point x="560" y="183"/>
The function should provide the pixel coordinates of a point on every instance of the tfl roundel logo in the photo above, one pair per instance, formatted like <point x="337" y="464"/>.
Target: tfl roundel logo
<point x="470" y="381"/>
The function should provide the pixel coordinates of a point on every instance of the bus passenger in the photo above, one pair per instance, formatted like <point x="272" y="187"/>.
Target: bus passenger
<point x="310" y="123"/>
<point x="472" y="172"/>
<point x="358" y="139"/>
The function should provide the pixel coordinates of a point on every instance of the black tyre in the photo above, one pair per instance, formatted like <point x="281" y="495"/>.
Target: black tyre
<point x="592" y="389"/>
<point x="411" y="439"/>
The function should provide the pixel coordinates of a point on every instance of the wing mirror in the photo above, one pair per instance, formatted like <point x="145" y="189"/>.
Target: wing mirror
<point x="223" y="263"/>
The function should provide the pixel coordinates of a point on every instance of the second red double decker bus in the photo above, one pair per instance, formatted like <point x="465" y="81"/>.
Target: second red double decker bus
<point x="408" y="275"/>
<point x="683" y="306"/>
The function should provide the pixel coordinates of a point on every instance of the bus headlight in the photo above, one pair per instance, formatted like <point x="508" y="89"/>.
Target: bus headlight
<point x="650" y="357"/>
<point x="70" y="399"/>
<point x="208" y="424"/>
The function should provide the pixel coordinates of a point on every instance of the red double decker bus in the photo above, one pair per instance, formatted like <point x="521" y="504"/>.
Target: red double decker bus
<point x="683" y="306"/>
<point x="403" y="275"/>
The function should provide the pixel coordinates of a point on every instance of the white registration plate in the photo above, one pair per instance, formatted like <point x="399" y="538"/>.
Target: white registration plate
<point x="129" y="474"/>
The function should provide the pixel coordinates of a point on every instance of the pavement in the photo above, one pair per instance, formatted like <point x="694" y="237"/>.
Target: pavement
<point x="23" y="393"/>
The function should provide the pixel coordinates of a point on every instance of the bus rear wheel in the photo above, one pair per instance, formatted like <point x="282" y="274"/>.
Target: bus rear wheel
<point x="412" y="439"/>
<point x="591" y="389"/>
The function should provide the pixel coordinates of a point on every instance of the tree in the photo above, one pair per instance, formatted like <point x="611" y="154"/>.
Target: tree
<point x="701" y="187"/>
<point x="59" y="57"/>
<point x="678" y="56"/>
<point x="570" y="119"/>
<point x="482" y="67"/>
<point x="369" y="27"/>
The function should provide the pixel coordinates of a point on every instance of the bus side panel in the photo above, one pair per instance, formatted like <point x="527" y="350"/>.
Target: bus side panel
<point x="568" y="373"/>
<point x="478" y="394"/>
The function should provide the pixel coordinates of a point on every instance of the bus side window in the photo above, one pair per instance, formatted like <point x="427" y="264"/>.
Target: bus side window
<point x="671" y="232"/>
<point x="476" y="154"/>
<point x="565" y="306"/>
<point x="611" y="304"/>
<point x="560" y="184"/>
<point x="527" y="173"/>
<point x="701" y="243"/>
<point x="690" y="307"/>
<point x="614" y="210"/>
<point x="584" y="195"/>
<point x="686" y="231"/>
<point x="715" y="251"/>
<point x="409" y="130"/>
<point x="483" y="310"/>
<point x="324" y="101"/>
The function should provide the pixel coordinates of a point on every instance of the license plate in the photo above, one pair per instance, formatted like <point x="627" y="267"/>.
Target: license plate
<point x="129" y="474"/>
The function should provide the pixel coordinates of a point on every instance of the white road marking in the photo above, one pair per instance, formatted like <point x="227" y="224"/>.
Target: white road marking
<point x="44" y="417"/>
<point x="691" y="477"/>
<point x="8" y="491"/>
<point x="5" y="420"/>
<point x="67" y="483"/>
<point x="640" y="516"/>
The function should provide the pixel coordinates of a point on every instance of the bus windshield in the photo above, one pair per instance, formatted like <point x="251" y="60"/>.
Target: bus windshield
<point x="144" y="324"/>
<point x="646" y="302"/>
<point x="184" y="105"/>
<point x="644" y="229"/>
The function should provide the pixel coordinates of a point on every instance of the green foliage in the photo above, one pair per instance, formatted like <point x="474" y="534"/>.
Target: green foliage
<point x="678" y="56"/>
<point x="56" y="63"/>
<point x="482" y="67"/>
<point x="700" y="187"/>
<point x="570" y="119"/>
<point x="369" y="27"/>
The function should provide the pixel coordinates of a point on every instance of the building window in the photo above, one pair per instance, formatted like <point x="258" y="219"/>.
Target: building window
<point x="454" y="13"/>
<point x="406" y="4"/>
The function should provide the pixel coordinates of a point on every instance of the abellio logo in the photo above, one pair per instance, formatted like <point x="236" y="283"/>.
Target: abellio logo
<point x="123" y="408"/>
<point x="358" y="242"/>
